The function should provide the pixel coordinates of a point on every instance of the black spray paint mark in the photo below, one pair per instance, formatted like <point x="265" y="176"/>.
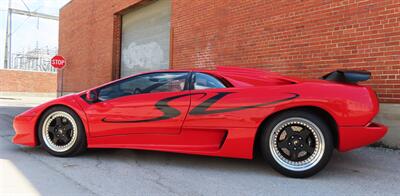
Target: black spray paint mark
<point x="202" y="109"/>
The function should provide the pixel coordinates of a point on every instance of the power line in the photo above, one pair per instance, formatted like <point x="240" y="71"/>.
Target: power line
<point x="25" y="5"/>
<point x="19" y="26"/>
<point x="34" y="14"/>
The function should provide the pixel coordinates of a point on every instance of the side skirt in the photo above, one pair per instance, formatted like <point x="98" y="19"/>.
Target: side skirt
<point x="234" y="143"/>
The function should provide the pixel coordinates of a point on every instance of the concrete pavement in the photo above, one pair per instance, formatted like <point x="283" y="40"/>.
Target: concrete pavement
<point x="31" y="171"/>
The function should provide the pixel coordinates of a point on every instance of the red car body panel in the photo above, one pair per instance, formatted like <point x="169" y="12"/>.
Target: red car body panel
<point x="25" y="124"/>
<point x="216" y="122"/>
<point x="120" y="110"/>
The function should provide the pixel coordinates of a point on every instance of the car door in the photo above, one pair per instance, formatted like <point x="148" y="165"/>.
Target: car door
<point x="154" y="103"/>
<point x="207" y="95"/>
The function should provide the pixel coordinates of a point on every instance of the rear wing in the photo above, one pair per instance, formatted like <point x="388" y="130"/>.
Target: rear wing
<point x="348" y="76"/>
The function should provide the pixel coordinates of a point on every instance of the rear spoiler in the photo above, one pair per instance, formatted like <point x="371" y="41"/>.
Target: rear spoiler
<point x="348" y="76"/>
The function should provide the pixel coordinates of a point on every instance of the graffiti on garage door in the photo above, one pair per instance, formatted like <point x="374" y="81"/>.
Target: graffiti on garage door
<point x="142" y="57"/>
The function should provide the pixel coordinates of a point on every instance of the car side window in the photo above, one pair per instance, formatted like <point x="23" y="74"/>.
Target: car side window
<point x="147" y="83"/>
<point x="205" y="81"/>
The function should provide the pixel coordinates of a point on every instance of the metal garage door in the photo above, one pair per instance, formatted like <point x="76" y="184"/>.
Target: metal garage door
<point x="146" y="38"/>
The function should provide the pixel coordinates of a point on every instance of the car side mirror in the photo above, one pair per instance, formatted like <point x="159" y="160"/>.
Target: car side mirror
<point x="91" y="96"/>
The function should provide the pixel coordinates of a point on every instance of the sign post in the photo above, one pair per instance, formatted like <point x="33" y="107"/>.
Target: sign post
<point x="58" y="62"/>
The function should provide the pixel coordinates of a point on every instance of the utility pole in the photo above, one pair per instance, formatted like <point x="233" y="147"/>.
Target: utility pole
<point x="7" y="48"/>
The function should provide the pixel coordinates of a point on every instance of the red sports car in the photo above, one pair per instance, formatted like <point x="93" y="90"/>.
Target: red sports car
<point x="227" y="112"/>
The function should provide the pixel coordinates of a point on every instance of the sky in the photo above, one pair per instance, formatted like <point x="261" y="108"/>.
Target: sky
<point x="27" y="32"/>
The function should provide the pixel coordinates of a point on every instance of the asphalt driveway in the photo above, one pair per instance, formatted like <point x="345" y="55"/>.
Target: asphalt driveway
<point x="367" y="171"/>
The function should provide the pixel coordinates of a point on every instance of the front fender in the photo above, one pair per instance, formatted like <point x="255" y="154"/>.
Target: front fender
<point x="26" y="124"/>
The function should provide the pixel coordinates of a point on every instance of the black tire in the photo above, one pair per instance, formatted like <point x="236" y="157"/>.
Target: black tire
<point x="274" y="156"/>
<point x="76" y="147"/>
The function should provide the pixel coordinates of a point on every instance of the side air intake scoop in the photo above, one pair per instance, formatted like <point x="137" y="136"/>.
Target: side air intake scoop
<point x="348" y="76"/>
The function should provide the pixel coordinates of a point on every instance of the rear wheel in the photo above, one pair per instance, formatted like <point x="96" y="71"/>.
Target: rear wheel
<point x="297" y="143"/>
<point x="61" y="132"/>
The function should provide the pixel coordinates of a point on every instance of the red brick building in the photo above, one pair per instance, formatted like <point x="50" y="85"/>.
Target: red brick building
<point x="105" y="39"/>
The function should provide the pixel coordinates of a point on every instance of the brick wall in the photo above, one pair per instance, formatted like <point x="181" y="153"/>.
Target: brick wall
<point x="27" y="82"/>
<point x="89" y="40"/>
<point x="305" y="38"/>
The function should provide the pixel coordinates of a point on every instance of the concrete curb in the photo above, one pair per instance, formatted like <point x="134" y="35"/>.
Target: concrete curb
<point x="23" y="101"/>
<point x="26" y="94"/>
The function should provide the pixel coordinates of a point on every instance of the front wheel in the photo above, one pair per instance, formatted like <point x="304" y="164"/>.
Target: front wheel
<point x="61" y="132"/>
<point x="297" y="143"/>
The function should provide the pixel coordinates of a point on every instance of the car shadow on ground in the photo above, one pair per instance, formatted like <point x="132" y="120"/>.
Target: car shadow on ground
<point x="257" y="165"/>
<point x="198" y="162"/>
<point x="110" y="168"/>
<point x="145" y="158"/>
<point x="115" y="166"/>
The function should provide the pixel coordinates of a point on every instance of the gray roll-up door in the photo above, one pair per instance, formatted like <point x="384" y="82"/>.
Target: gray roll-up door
<point x="146" y="38"/>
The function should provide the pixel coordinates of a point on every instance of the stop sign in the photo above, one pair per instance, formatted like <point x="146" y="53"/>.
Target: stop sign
<point x="58" y="62"/>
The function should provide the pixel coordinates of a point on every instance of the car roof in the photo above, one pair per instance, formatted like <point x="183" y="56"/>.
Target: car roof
<point x="237" y="76"/>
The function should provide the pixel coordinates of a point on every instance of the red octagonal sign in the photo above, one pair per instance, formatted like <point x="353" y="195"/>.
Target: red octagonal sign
<point x="58" y="62"/>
